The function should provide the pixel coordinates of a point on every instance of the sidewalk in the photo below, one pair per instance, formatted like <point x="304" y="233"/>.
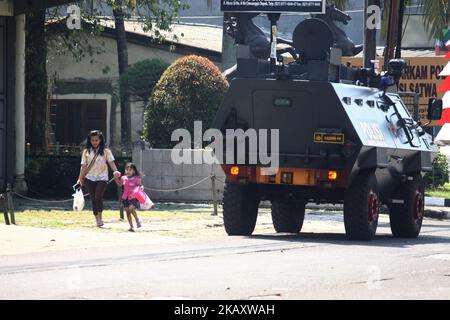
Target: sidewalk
<point x="16" y="240"/>
<point x="437" y="202"/>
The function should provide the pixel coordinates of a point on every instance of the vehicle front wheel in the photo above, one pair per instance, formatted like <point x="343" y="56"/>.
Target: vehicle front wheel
<point x="406" y="219"/>
<point x="362" y="207"/>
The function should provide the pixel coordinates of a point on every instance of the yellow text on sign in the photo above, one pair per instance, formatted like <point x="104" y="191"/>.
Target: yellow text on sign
<point x="337" y="138"/>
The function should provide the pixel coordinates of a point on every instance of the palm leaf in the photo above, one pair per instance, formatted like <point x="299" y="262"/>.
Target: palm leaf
<point x="436" y="16"/>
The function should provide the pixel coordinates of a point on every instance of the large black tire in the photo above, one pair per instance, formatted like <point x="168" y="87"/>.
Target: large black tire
<point x="406" y="219"/>
<point x="240" y="209"/>
<point x="288" y="217"/>
<point x="362" y="207"/>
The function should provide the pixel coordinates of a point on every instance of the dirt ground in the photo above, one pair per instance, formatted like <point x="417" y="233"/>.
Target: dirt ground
<point x="39" y="231"/>
<point x="48" y="230"/>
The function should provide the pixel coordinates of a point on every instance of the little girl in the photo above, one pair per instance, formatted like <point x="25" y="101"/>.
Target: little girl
<point x="130" y="181"/>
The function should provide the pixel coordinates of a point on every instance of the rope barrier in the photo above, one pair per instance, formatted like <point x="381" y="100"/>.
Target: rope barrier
<point x="220" y="180"/>
<point x="179" y="189"/>
<point x="44" y="201"/>
<point x="146" y="188"/>
<point x="51" y="201"/>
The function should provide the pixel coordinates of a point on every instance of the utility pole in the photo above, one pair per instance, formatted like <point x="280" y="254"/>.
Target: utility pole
<point x="398" y="51"/>
<point x="392" y="33"/>
<point x="370" y="34"/>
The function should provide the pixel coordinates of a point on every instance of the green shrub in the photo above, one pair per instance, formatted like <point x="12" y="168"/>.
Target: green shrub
<point x="54" y="176"/>
<point x="141" y="78"/>
<point x="191" y="89"/>
<point x="439" y="176"/>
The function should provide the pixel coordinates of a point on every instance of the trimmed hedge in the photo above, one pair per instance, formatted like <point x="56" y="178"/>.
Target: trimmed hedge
<point x="191" y="89"/>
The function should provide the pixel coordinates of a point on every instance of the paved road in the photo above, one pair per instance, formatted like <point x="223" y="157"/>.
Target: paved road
<point x="318" y="264"/>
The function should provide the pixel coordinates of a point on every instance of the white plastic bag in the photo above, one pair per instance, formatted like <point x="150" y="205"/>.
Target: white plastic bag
<point x="78" y="200"/>
<point x="147" y="205"/>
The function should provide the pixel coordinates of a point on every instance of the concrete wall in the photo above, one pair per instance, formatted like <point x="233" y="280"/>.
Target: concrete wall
<point x="161" y="173"/>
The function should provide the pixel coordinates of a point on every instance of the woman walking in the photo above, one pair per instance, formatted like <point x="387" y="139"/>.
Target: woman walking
<point x="94" y="171"/>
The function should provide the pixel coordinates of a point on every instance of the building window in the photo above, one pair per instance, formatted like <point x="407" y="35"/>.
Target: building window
<point x="71" y="120"/>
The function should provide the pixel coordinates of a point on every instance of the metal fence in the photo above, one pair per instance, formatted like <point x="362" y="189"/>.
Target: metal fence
<point x="411" y="100"/>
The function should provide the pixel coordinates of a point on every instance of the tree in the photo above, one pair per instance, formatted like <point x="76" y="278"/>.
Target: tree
<point x="436" y="15"/>
<point x="122" y="57"/>
<point x="142" y="77"/>
<point x="39" y="36"/>
<point x="191" y="89"/>
<point x="161" y="13"/>
<point x="158" y="15"/>
<point x="36" y="81"/>
<point x="440" y="173"/>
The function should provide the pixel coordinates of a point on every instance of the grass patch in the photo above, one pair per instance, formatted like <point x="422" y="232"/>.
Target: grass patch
<point x="61" y="219"/>
<point x="442" y="192"/>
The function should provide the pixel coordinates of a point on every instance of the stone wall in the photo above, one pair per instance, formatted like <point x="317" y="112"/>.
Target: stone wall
<point x="162" y="174"/>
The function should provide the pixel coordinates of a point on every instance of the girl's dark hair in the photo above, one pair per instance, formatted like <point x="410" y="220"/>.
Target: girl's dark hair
<point x="101" y="146"/>
<point x="133" y="166"/>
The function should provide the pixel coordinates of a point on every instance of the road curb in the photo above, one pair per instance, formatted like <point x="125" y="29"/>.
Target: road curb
<point x="437" y="202"/>
<point x="435" y="208"/>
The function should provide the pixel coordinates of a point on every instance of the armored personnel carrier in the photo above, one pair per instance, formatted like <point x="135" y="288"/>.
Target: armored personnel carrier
<point x="345" y="137"/>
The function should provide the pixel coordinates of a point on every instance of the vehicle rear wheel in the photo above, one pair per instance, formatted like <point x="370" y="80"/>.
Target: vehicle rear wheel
<point x="240" y="209"/>
<point x="362" y="207"/>
<point x="288" y="217"/>
<point x="406" y="219"/>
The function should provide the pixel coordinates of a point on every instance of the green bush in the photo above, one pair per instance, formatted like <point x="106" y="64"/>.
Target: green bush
<point x="51" y="176"/>
<point x="191" y="89"/>
<point x="54" y="176"/>
<point x="439" y="176"/>
<point x="141" y="78"/>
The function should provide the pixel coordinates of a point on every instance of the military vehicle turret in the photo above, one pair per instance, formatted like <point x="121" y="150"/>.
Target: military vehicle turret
<point x="344" y="138"/>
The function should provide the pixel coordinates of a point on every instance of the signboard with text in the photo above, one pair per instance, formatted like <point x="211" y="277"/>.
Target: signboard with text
<point x="311" y="6"/>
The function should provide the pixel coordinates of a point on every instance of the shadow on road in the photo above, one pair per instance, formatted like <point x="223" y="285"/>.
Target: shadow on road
<point x="340" y="239"/>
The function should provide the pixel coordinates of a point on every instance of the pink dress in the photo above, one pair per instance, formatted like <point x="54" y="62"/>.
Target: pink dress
<point x="129" y="187"/>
